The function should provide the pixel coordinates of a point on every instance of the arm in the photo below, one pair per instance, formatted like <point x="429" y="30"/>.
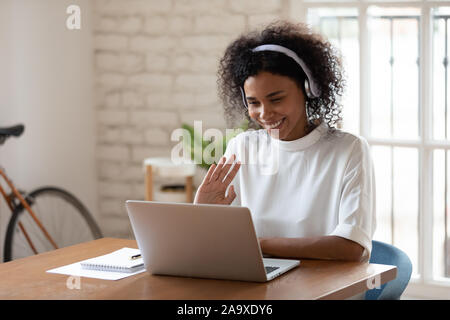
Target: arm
<point x="325" y="247"/>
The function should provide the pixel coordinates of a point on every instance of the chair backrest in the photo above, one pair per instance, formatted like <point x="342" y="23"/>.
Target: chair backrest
<point x="384" y="253"/>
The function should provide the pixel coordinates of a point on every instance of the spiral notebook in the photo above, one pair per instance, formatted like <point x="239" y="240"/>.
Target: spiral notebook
<point x="122" y="260"/>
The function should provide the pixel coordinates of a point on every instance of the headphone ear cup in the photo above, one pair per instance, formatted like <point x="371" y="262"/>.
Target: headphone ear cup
<point x="308" y="90"/>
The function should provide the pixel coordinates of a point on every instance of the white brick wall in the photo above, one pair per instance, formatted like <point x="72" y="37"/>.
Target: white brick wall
<point x="155" y="66"/>
<point x="229" y="24"/>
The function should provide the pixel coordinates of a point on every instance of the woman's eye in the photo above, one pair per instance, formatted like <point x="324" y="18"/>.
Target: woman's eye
<point x="276" y="100"/>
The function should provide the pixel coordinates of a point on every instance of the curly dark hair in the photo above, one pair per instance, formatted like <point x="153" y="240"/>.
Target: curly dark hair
<point x="324" y="61"/>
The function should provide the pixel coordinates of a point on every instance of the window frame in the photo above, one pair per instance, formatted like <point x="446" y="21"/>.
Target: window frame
<point x="425" y="284"/>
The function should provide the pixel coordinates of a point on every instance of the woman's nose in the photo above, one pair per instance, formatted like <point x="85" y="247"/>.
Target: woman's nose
<point x="265" y="111"/>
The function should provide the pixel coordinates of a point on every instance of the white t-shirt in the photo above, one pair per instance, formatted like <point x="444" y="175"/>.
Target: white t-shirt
<point x="321" y="184"/>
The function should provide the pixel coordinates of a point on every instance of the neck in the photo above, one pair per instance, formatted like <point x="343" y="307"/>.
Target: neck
<point x="307" y="128"/>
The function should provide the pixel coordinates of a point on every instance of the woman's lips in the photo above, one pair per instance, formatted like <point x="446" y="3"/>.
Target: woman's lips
<point x="274" y="125"/>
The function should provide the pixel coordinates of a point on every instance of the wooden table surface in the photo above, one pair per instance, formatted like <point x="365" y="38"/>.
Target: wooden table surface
<point x="313" y="279"/>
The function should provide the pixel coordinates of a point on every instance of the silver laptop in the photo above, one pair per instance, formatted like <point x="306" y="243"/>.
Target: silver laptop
<point x="201" y="241"/>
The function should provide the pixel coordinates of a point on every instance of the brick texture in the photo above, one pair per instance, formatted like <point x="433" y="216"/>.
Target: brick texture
<point x="155" y="68"/>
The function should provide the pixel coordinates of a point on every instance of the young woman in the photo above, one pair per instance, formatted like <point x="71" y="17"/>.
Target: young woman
<point x="309" y="186"/>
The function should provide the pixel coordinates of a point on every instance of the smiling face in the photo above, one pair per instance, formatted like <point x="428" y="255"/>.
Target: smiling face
<point x="277" y="102"/>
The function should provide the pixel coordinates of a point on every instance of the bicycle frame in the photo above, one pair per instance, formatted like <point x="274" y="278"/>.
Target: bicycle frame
<point x="9" y="200"/>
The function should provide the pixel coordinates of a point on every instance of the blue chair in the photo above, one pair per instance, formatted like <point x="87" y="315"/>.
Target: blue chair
<point x="383" y="253"/>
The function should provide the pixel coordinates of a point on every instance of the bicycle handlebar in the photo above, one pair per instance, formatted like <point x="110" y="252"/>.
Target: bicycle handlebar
<point x="15" y="131"/>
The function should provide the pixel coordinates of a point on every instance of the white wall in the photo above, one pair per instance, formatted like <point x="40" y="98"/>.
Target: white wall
<point x="155" y="68"/>
<point x="46" y="83"/>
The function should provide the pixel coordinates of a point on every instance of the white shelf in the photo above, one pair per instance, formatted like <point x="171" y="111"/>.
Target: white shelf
<point x="164" y="167"/>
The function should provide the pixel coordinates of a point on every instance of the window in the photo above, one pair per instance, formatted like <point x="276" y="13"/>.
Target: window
<point x="395" y="55"/>
<point x="441" y="163"/>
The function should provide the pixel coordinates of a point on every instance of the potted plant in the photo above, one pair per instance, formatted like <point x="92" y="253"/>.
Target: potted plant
<point x="199" y="143"/>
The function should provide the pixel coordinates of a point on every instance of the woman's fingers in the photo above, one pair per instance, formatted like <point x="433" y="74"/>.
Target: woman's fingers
<point x="232" y="173"/>
<point x="226" y="167"/>
<point x="216" y="182"/>
<point x="223" y="173"/>
<point x="231" y="195"/>
<point x="218" y="169"/>
<point x="209" y="173"/>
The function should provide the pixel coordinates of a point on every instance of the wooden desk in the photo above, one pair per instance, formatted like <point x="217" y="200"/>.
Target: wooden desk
<point x="26" y="279"/>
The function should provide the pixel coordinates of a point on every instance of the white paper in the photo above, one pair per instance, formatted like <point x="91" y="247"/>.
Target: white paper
<point x="75" y="269"/>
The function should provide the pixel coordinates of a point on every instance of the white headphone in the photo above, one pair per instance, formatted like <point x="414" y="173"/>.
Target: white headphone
<point x="311" y="88"/>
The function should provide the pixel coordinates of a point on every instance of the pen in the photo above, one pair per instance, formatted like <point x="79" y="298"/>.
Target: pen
<point x="136" y="256"/>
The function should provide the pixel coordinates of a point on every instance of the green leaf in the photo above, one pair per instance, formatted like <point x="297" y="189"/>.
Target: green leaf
<point x="197" y="140"/>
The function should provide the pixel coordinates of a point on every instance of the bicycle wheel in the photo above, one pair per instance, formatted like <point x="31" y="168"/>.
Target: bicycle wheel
<point x="64" y="217"/>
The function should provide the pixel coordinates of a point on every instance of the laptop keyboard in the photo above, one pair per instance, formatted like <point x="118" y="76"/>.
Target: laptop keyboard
<point x="270" y="269"/>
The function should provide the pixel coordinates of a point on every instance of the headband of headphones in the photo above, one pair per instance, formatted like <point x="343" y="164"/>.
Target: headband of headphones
<point x="311" y="86"/>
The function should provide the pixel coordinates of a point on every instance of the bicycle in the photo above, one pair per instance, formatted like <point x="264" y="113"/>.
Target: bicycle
<point x="44" y="219"/>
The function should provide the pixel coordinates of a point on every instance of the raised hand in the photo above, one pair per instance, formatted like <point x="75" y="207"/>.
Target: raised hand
<point x="213" y="188"/>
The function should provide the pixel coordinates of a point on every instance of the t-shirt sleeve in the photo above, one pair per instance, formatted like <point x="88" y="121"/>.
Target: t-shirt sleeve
<point x="357" y="209"/>
<point x="230" y="150"/>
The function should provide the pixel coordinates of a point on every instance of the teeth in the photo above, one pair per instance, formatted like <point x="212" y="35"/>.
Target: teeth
<point x="276" y="124"/>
